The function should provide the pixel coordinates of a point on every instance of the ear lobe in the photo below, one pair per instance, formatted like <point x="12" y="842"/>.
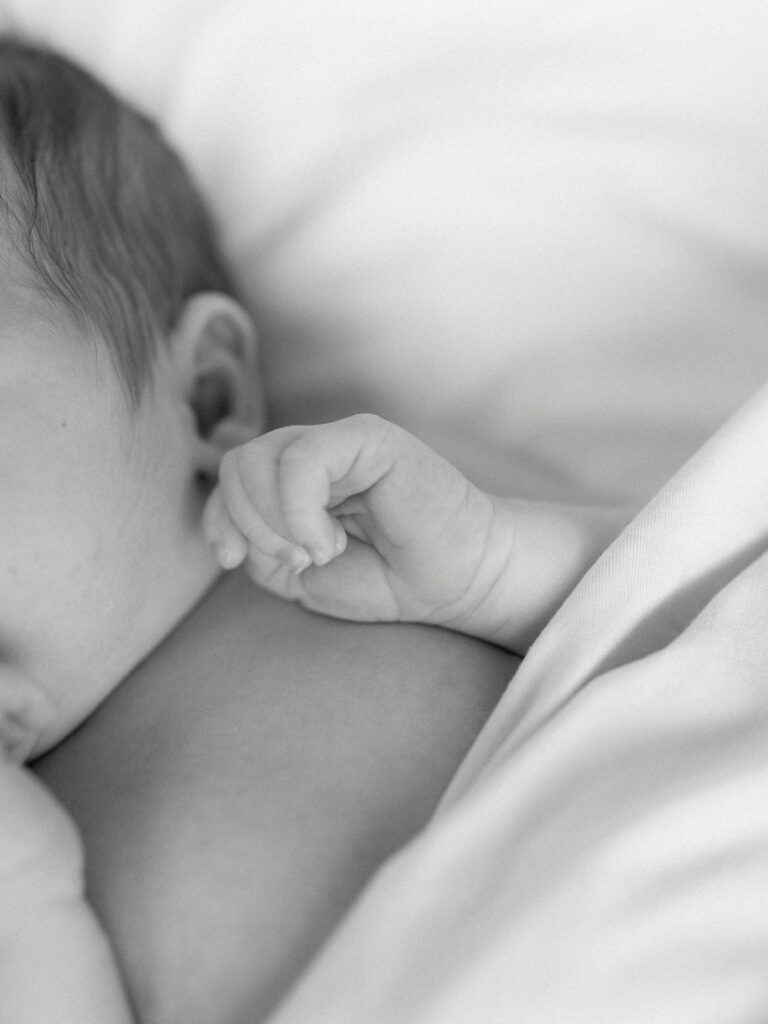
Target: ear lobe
<point x="214" y="348"/>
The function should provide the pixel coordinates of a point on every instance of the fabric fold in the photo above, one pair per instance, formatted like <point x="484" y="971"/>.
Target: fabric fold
<point x="603" y="852"/>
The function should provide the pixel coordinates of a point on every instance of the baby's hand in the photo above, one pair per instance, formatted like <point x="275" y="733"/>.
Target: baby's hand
<point x="358" y="519"/>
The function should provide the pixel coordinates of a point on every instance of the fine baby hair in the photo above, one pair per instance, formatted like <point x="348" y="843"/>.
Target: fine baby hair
<point x="99" y="213"/>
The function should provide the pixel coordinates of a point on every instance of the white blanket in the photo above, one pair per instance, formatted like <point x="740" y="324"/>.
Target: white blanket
<point x="603" y="853"/>
<point x="536" y="234"/>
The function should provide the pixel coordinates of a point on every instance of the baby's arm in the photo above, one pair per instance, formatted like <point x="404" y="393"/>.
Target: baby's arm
<point x="360" y="520"/>
<point x="55" y="963"/>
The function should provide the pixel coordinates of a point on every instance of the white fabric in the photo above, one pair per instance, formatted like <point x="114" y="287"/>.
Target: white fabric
<point x="537" y="235"/>
<point x="534" y="233"/>
<point x="603" y="854"/>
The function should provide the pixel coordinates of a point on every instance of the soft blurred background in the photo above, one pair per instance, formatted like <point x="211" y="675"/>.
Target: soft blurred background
<point x="536" y="234"/>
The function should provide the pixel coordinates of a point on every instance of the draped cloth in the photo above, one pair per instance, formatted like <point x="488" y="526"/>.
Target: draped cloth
<point x="602" y="853"/>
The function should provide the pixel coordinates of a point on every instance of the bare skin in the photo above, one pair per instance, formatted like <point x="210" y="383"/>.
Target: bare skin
<point x="239" y="788"/>
<point x="358" y="518"/>
<point x="238" y="782"/>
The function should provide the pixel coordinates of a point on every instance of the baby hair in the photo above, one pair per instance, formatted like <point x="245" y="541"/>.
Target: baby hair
<point x="98" y="209"/>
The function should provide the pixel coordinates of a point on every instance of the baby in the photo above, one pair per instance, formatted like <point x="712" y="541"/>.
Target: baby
<point x="127" y="373"/>
<point x="358" y="519"/>
<point x="106" y="258"/>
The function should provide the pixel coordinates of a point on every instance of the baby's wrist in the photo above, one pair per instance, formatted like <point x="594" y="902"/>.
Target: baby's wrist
<point x="535" y="553"/>
<point x="487" y="608"/>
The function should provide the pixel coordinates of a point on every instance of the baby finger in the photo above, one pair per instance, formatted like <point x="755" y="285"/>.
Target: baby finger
<point x="228" y="543"/>
<point x="258" y="533"/>
<point x="273" y="574"/>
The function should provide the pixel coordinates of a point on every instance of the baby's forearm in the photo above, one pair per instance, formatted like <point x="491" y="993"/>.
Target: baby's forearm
<point x="536" y="553"/>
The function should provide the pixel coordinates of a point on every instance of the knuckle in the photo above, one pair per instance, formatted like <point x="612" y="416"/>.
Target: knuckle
<point x="242" y="457"/>
<point x="225" y="465"/>
<point x="302" y="449"/>
<point x="367" y="421"/>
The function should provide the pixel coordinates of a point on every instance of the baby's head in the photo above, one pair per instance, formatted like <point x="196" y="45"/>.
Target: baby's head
<point x="125" y="365"/>
<point x="101" y="215"/>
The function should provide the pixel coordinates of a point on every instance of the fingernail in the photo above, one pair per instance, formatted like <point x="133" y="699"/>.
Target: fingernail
<point x="302" y="561"/>
<point x="227" y="557"/>
<point x="297" y="559"/>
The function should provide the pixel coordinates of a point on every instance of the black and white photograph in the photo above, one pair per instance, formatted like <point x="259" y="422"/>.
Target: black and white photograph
<point x="383" y="512"/>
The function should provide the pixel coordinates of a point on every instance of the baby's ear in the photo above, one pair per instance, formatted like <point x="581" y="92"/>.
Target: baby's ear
<point x="214" y="350"/>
